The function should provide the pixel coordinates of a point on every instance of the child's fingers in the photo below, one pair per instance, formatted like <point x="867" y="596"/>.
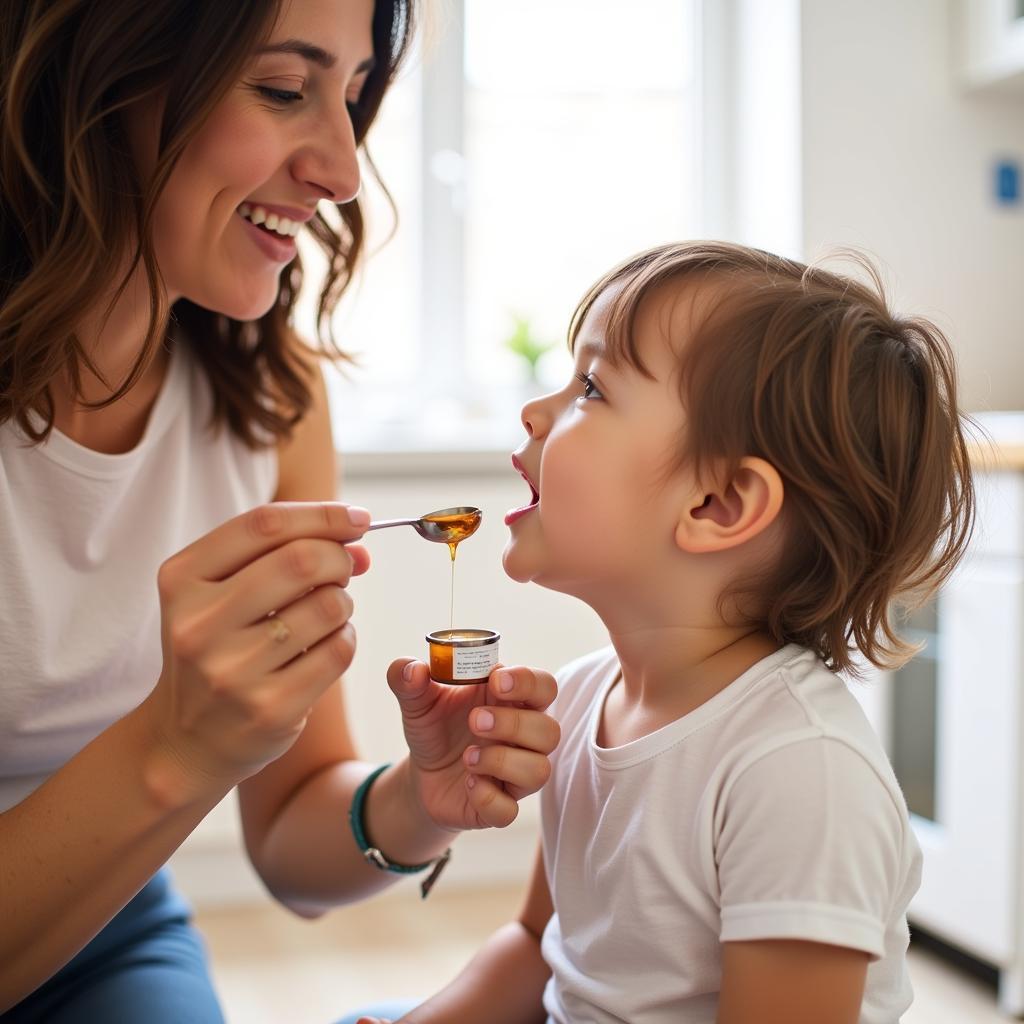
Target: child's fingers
<point x="518" y="684"/>
<point x="522" y="769"/>
<point x="520" y="727"/>
<point x="494" y="807"/>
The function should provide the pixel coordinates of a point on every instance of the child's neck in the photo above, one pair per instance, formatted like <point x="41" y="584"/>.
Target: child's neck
<point x="667" y="672"/>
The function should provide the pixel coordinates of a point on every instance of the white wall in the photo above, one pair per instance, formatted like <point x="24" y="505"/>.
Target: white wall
<point x="897" y="158"/>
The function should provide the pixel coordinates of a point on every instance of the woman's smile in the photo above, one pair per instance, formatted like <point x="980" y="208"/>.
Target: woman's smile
<point x="273" y="229"/>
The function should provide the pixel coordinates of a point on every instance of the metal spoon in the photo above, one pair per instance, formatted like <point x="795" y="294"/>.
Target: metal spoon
<point x="449" y="526"/>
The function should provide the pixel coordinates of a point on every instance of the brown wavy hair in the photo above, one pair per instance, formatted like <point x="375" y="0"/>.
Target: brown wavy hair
<point x="72" y="203"/>
<point x="854" y="406"/>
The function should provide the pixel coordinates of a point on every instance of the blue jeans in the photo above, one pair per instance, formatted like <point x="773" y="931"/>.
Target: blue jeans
<point x="387" y="1011"/>
<point x="148" y="964"/>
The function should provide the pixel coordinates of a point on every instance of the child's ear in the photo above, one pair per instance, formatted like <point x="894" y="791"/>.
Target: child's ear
<point x="734" y="512"/>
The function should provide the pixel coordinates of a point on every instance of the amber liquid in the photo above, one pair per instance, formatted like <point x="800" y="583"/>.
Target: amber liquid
<point x="457" y="528"/>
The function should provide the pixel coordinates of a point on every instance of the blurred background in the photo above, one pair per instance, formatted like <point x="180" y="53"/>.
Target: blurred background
<point x="528" y="147"/>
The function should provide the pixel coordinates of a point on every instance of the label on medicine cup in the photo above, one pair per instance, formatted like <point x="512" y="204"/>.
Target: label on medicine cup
<point x="474" y="662"/>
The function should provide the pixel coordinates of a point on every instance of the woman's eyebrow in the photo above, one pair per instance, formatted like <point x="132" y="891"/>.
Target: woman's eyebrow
<point x="313" y="53"/>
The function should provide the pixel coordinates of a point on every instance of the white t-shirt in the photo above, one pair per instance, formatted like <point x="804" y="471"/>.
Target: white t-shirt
<point x="770" y="812"/>
<point x="82" y="534"/>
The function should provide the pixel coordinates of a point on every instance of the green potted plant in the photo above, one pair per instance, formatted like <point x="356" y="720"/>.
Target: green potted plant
<point x="524" y="343"/>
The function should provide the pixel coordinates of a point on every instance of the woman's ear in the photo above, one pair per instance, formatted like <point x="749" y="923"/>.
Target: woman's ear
<point x="734" y="513"/>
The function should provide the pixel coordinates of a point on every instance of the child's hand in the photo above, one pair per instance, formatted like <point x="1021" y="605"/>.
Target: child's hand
<point x="476" y="750"/>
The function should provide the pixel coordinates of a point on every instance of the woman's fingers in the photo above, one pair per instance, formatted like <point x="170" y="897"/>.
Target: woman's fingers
<point x="520" y="685"/>
<point x="522" y="771"/>
<point x="276" y="640"/>
<point x="520" y="727"/>
<point x="410" y="682"/>
<point x="493" y="806"/>
<point x="242" y="540"/>
<point x="282" y="576"/>
<point x="519" y="736"/>
<point x="360" y="558"/>
<point x="299" y="684"/>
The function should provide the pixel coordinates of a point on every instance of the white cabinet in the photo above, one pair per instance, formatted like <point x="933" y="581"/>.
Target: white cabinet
<point x="990" y="40"/>
<point x="953" y="720"/>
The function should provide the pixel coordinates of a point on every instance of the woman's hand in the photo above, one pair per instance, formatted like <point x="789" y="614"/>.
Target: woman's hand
<point x="476" y="750"/>
<point x="254" y="629"/>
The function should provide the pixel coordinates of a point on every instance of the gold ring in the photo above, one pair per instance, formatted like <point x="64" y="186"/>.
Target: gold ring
<point x="279" y="632"/>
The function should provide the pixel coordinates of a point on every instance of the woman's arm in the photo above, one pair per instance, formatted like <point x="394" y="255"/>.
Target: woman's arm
<point x="789" y="982"/>
<point x="82" y="845"/>
<point x="294" y="812"/>
<point x="233" y="694"/>
<point x="504" y="983"/>
<point x="230" y="698"/>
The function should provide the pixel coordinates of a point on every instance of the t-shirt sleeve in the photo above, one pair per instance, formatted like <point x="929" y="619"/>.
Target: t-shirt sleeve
<point x="809" y="846"/>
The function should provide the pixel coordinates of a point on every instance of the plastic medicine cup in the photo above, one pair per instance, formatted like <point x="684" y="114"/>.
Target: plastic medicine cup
<point x="462" y="656"/>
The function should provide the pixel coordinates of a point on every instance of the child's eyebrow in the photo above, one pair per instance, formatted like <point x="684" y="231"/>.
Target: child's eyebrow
<point x="591" y="348"/>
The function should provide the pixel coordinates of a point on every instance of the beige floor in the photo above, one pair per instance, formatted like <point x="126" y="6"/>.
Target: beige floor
<point x="272" y="968"/>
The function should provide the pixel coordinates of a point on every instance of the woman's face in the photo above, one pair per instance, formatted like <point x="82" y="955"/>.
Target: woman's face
<point x="278" y="143"/>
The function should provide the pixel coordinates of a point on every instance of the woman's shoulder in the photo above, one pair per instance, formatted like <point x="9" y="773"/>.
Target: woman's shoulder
<point x="306" y="460"/>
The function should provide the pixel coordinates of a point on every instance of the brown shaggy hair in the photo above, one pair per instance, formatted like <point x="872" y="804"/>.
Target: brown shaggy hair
<point x="72" y="204"/>
<point x="856" y="409"/>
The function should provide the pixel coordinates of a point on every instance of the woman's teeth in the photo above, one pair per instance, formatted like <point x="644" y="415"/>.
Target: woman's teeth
<point x="279" y="225"/>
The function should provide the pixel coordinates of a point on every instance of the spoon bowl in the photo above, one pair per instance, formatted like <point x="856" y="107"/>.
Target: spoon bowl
<point x="447" y="526"/>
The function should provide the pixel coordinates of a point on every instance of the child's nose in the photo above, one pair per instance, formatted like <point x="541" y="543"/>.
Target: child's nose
<point x="538" y="415"/>
<point x="535" y="419"/>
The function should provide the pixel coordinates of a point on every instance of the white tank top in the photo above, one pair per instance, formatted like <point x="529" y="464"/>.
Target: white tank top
<point x="82" y="534"/>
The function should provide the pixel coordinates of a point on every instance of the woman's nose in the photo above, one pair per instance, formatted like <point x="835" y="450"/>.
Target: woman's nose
<point x="329" y="160"/>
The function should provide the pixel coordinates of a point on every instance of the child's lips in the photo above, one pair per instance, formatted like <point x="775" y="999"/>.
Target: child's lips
<point x="517" y="513"/>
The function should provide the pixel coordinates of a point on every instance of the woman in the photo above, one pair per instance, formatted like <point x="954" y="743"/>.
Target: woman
<point x="167" y="633"/>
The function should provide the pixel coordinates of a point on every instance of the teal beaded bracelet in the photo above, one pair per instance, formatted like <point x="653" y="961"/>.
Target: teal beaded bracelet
<point x="373" y="855"/>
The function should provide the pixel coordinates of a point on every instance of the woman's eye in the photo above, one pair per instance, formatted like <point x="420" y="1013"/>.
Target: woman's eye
<point x="279" y="95"/>
<point x="590" y="389"/>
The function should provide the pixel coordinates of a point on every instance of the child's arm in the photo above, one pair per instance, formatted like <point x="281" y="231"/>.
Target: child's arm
<point x="504" y="983"/>
<point x="788" y="982"/>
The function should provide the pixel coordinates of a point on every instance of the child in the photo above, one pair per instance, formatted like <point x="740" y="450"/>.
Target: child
<point x="754" y="460"/>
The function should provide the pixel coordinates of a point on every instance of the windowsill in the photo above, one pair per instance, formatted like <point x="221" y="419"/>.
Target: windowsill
<point x="425" y="447"/>
<point x="379" y="436"/>
<point x="423" y="462"/>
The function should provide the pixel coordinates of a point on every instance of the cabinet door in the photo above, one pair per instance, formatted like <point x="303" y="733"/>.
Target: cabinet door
<point x="969" y="824"/>
<point x="990" y="37"/>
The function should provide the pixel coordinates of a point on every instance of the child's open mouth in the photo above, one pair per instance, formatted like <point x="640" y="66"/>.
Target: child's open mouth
<point x="517" y="513"/>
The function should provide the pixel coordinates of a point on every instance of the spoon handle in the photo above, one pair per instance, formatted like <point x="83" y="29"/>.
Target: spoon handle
<point x="381" y="523"/>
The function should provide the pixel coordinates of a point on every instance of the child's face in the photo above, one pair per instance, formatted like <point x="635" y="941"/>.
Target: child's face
<point x="600" y="458"/>
<point x="281" y="139"/>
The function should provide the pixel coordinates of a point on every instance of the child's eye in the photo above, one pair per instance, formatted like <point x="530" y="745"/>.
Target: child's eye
<point x="283" y="96"/>
<point x="590" y="389"/>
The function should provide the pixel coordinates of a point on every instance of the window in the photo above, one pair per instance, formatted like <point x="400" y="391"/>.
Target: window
<point x="529" y="147"/>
